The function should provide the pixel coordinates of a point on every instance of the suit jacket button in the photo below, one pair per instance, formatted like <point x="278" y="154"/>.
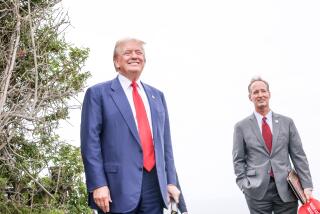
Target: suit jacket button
<point x="140" y="168"/>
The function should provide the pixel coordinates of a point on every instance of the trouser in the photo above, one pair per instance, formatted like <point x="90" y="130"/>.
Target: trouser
<point x="150" y="200"/>
<point x="271" y="202"/>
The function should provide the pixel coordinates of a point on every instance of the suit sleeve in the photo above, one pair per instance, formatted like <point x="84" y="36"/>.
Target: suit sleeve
<point x="239" y="155"/>
<point x="91" y="125"/>
<point x="298" y="157"/>
<point x="168" y="153"/>
<point x="182" y="204"/>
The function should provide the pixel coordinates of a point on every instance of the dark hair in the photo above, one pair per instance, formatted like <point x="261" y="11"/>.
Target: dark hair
<point x="255" y="79"/>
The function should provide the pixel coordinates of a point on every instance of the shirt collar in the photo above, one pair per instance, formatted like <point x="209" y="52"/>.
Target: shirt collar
<point x="126" y="83"/>
<point x="259" y="116"/>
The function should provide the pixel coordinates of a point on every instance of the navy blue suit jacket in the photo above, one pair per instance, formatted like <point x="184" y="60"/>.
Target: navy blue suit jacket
<point x="182" y="206"/>
<point x="111" y="148"/>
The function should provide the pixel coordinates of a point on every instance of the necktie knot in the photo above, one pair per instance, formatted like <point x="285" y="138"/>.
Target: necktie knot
<point x="264" y="119"/>
<point x="134" y="84"/>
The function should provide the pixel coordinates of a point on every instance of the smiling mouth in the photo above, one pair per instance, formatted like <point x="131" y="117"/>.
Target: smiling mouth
<point x="261" y="99"/>
<point x="133" y="63"/>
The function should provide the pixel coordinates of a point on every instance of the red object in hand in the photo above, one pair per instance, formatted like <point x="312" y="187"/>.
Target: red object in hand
<point x="310" y="207"/>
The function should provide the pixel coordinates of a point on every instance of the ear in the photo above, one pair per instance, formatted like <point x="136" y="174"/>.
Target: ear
<point x="249" y="96"/>
<point x="116" y="63"/>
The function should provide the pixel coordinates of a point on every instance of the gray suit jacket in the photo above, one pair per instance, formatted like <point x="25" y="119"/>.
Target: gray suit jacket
<point x="252" y="161"/>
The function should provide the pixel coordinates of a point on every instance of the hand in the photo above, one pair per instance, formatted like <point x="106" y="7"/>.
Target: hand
<point x="101" y="197"/>
<point x="173" y="192"/>
<point x="308" y="193"/>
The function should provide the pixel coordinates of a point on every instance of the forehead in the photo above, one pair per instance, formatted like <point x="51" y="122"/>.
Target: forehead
<point x="258" y="85"/>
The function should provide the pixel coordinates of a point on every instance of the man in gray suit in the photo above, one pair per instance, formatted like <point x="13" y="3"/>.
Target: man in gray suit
<point x="263" y="145"/>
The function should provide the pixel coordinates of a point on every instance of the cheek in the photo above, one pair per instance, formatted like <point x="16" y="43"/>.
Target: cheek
<point x="255" y="100"/>
<point x="141" y="58"/>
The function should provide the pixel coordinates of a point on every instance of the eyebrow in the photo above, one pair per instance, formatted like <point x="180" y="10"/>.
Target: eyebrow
<point x="131" y="50"/>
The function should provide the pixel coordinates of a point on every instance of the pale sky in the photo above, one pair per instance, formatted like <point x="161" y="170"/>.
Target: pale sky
<point x="202" y="55"/>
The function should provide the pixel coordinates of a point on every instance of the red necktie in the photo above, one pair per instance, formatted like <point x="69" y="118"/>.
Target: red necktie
<point x="144" y="129"/>
<point x="266" y="133"/>
<point x="267" y="136"/>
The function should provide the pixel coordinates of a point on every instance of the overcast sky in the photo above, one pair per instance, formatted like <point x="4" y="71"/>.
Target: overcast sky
<point x="202" y="55"/>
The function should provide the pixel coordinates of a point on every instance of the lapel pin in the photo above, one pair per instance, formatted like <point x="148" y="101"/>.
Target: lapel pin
<point x="153" y="97"/>
<point x="276" y="121"/>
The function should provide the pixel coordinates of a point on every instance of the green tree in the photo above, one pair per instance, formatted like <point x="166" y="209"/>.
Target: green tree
<point x="40" y="74"/>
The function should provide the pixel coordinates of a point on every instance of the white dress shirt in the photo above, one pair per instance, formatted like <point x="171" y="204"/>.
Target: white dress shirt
<point x="127" y="88"/>
<point x="259" y="120"/>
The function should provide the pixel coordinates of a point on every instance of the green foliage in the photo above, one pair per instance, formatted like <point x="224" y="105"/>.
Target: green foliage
<point x="38" y="172"/>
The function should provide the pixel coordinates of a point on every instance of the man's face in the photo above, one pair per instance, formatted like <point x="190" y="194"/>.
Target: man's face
<point x="259" y="95"/>
<point x="130" y="59"/>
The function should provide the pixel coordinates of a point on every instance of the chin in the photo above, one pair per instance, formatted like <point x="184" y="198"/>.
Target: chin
<point x="135" y="72"/>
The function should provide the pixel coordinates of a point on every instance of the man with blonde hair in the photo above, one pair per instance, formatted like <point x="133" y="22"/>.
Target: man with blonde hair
<point x="125" y="140"/>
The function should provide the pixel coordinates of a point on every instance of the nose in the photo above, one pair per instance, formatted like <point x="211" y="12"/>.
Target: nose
<point x="134" y="55"/>
<point x="261" y="93"/>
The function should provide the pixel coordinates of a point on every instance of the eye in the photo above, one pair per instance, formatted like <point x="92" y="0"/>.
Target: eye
<point x="139" y="52"/>
<point x="127" y="53"/>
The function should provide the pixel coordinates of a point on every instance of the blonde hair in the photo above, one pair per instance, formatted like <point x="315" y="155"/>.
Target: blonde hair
<point x="120" y="42"/>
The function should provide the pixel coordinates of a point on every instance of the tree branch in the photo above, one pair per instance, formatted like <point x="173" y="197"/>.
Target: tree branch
<point x="34" y="56"/>
<point x="15" y="39"/>
<point x="58" y="180"/>
<point x="38" y="183"/>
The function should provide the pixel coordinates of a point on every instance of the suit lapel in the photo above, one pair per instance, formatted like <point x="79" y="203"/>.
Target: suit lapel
<point x="275" y="130"/>
<point x="120" y="99"/>
<point x="152" y="103"/>
<point x="256" y="130"/>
